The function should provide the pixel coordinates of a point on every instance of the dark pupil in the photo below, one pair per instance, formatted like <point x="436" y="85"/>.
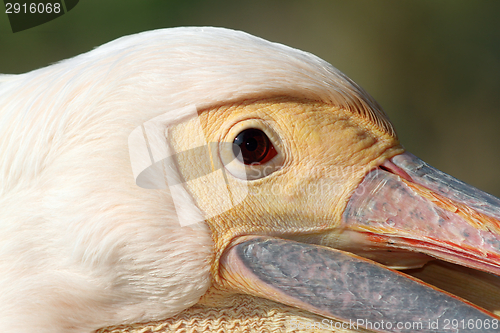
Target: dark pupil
<point x="254" y="145"/>
<point x="251" y="144"/>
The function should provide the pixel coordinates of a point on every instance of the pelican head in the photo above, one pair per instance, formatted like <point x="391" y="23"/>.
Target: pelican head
<point x="141" y="176"/>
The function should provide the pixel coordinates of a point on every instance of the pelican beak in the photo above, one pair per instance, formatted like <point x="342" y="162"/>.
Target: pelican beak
<point x="407" y="204"/>
<point x="342" y="286"/>
<point x="402" y="205"/>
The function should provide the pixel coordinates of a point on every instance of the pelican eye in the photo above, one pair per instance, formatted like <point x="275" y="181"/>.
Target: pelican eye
<point x="252" y="146"/>
<point x="251" y="149"/>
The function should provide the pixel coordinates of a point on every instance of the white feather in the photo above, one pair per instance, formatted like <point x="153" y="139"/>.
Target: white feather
<point x="81" y="246"/>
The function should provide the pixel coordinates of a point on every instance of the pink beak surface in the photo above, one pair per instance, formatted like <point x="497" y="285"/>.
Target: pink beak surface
<point x="407" y="204"/>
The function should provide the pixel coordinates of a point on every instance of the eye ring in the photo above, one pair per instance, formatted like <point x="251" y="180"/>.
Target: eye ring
<point x="251" y="150"/>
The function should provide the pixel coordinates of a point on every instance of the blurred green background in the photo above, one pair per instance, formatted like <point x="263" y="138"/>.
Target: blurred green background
<point x="433" y="65"/>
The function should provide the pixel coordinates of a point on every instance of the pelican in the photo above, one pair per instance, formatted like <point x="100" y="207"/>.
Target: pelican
<point x="202" y="179"/>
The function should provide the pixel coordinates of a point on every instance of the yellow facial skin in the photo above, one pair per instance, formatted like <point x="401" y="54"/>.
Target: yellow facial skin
<point x="324" y="153"/>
